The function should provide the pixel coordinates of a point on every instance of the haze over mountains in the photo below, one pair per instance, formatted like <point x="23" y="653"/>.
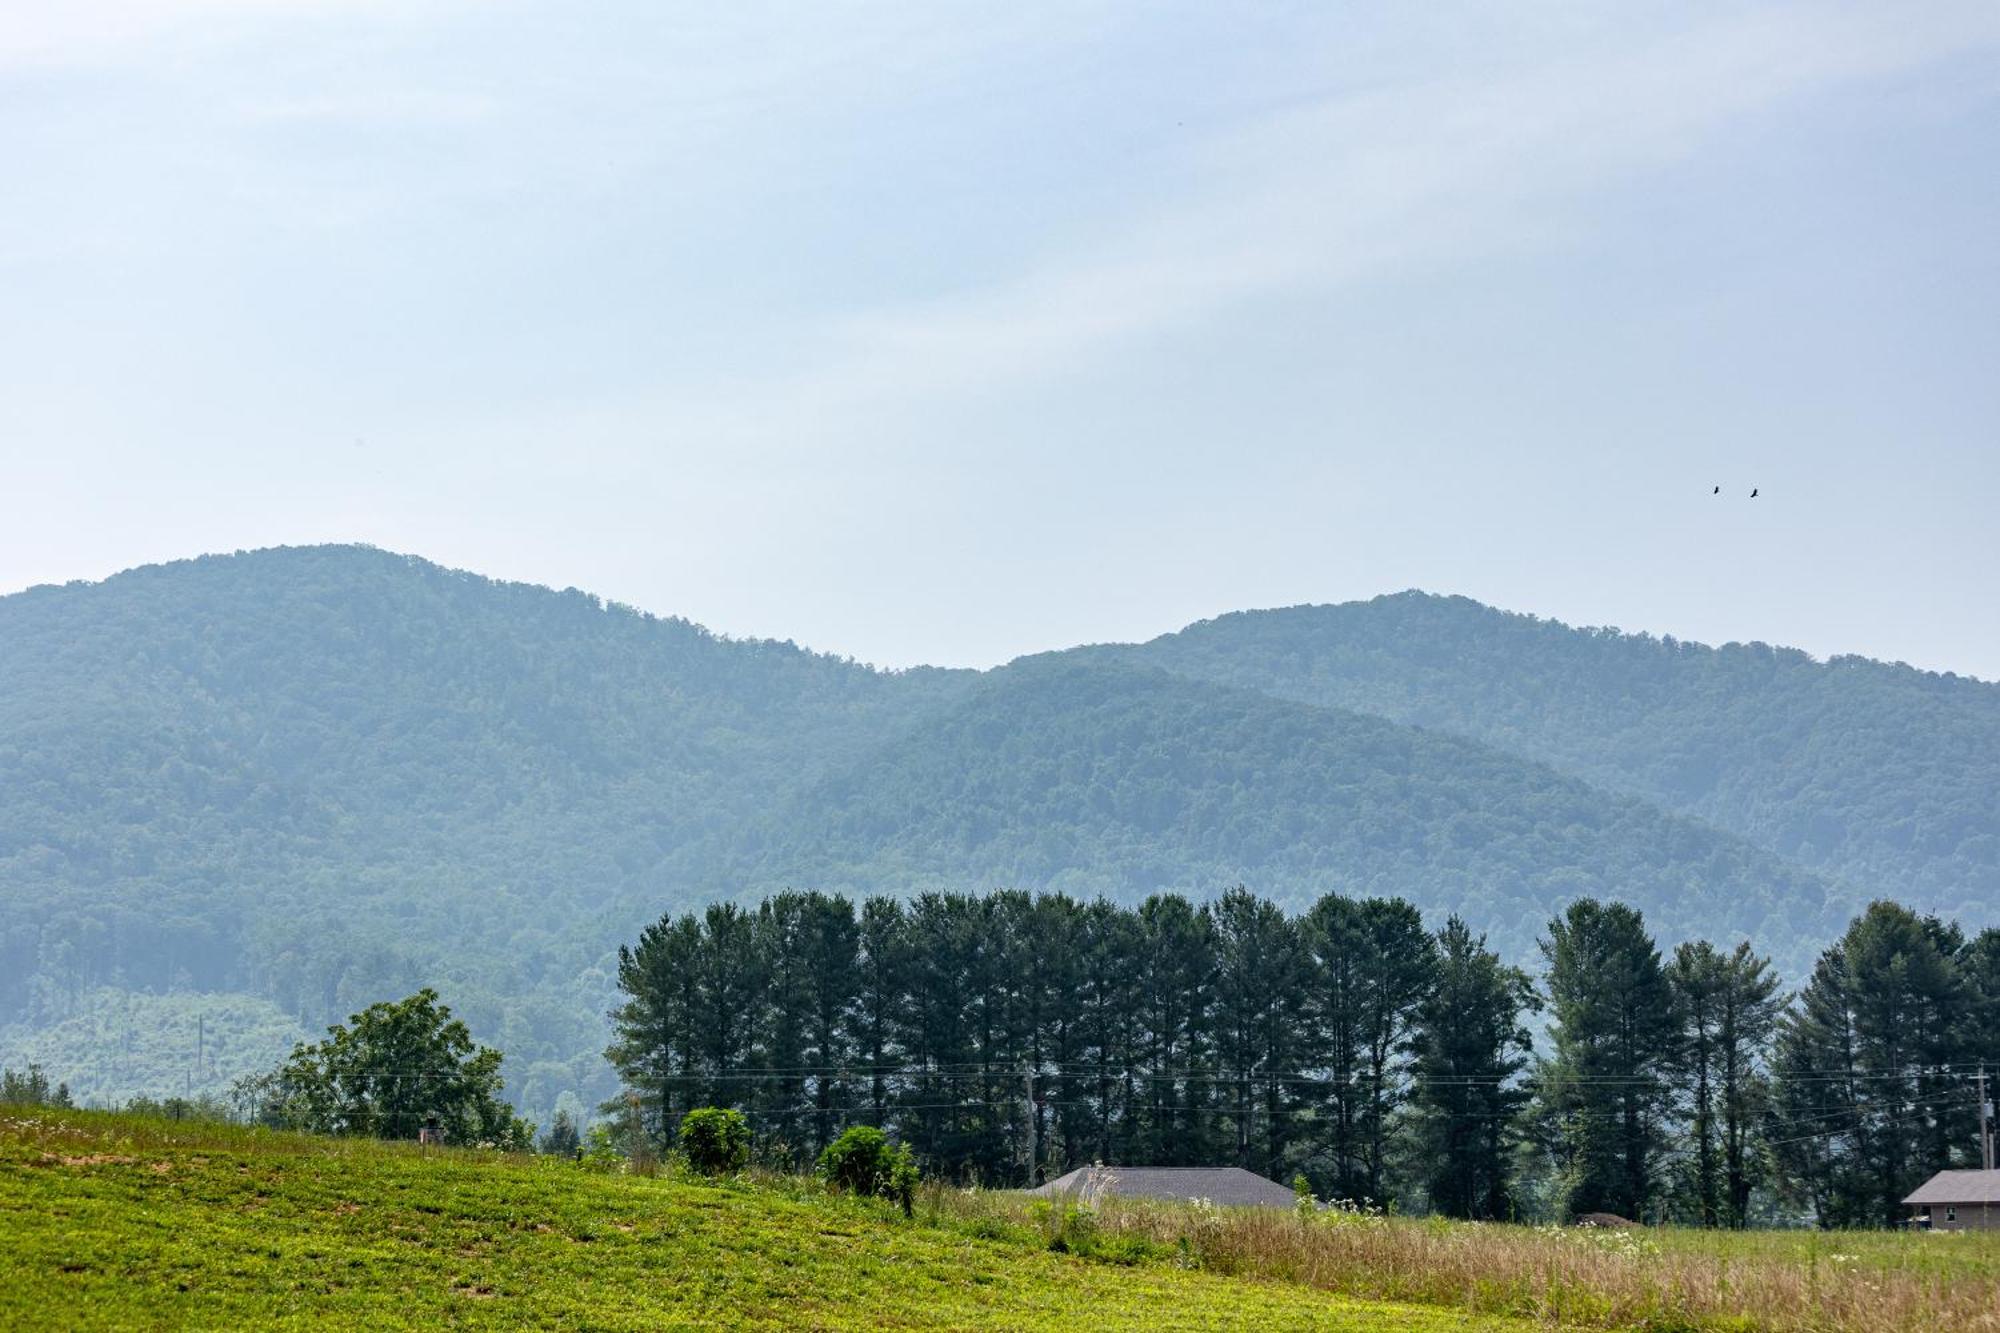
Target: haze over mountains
<point x="305" y="779"/>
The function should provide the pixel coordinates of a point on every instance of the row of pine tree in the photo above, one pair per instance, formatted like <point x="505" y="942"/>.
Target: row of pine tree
<point x="1009" y="1037"/>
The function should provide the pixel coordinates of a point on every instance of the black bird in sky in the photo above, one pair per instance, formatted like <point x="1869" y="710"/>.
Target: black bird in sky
<point x="1753" y="492"/>
<point x="1716" y="491"/>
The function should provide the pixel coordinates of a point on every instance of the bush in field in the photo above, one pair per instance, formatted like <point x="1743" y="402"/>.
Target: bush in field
<point x="863" y="1161"/>
<point x="204" y="1107"/>
<point x="562" y="1139"/>
<point x="715" y="1140"/>
<point x="402" y="1070"/>
<point x="599" y="1151"/>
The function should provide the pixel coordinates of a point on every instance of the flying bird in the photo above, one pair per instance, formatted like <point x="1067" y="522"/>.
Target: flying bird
<point x="1716" y="491"/>
<point x="1753" y="492"/>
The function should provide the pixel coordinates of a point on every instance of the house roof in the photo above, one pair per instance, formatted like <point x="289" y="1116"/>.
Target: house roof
<point x="1959" y="1187"/>
<point x="1229" y="1186"/>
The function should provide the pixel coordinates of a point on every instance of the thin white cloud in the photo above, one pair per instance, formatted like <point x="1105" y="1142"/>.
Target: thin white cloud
<point x="1326" y="193"/>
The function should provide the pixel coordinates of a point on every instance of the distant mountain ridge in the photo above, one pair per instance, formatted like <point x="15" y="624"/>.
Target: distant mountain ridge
<point x="317" y="776"/>
<point x="1880" y="774"/>
<point x="1123" y="782"/>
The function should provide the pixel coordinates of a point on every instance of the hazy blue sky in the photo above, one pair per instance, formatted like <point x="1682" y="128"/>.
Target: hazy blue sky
<point x="946" y="333"/>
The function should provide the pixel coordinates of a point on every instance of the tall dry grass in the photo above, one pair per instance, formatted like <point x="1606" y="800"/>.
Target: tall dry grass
<point x="1567" y="1276"/>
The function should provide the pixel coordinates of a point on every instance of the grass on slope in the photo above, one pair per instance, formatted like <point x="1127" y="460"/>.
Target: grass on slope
<point x="1666" y="1278"/>
<point x="115" y="1221"/>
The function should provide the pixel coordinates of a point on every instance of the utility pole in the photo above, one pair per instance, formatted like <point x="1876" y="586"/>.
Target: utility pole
<point x="1985" y="1122"/>
<point x="638" y="1151"/>
<point x="1034" y="1126"/>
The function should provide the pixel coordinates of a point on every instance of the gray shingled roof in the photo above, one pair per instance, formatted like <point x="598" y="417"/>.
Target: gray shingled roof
<point x="1227" y="1186"/>
<point x="1959" y="1187"/>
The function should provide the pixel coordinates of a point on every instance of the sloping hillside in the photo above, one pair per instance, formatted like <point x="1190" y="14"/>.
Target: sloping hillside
<point x="319" y="776"/>
<point x="124" y="1223"/>
<point x="1882" y="775"/>
<point x="324" y="775"/>
<point x="1124" y="782"/>
<point x="209" y="767"/>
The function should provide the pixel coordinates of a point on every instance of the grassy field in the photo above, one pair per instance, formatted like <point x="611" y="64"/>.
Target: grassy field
<point x="1655" y="1278"/>
<point x="120" y="1222"/>
<point x="115" y="1222"/>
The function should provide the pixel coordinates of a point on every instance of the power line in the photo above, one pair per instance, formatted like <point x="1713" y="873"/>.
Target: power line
<point x="1850" y="1129"/>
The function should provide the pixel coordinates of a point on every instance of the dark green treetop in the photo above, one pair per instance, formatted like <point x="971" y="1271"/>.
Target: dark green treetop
<point x="394" y="1069"/>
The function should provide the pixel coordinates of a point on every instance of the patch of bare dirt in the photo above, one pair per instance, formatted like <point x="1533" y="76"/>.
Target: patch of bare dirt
<point x="88" y="1159"/>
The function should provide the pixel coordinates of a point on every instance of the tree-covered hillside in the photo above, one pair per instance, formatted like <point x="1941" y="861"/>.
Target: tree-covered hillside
<point x="322" y="776"/>
<point x="1123" y="782"/>
<point x="351" y="735"/>
<point x="1878" y="774"/>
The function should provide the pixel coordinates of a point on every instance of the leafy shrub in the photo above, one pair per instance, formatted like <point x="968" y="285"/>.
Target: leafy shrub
<point x="1072" y="1230"/>
<point x="203" y="1107"/>
<point x="398" y="1070"/>
<point x="599" y="1151"/>
<point x="1069" y="1227"/>
<point x="715" y="1140"/>
<point x="1125" y="1251"/>
<point x="995" y="1228"/>
<point x="562" y="1139"/>
<point x="863" y="1161"/>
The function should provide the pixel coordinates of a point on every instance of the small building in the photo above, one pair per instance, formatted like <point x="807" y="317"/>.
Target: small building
<point x="1957" y="1201"/>
<point x="1224" y="1186"/>
<point x="1606" y="1222"/>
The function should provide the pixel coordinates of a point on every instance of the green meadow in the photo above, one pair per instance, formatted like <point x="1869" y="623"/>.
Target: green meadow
<point x="1664" y="1279"/>
<point x="118" y="1222"/>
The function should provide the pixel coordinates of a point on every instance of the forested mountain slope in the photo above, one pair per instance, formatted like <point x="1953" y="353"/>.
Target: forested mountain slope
<point x="1882" y="775"/>
<point x="1056" y="775"/>
<point x="322" y="776"/>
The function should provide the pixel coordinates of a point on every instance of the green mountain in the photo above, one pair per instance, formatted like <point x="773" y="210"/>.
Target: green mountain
<point x="1091" y="780"/>
<point x="325" y="775"/>
<point x="316" y="777"/>
<point x="1878" y="774"/>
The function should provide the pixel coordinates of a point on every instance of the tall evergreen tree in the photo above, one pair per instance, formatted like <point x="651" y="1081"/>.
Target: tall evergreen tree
<point x="729" y="1005"/>
<point x="1399" y="967"/>
<point x="1056" y="959"/>
<point x="1816" y="1130"/>
<point x="999" y="985"/>
<point x="1175" y="984"/>
<point x="1885" y="1021"/>
<point x="777" y="1096"/>
<point x="1470" y="1049"/>
<point x="1009" y="1034"/>
<point x="1612" y="1032"/>
<point x="881" y="999"/>
<point x="831" y="939"/>
<point x="1259" y="994"/>
<point x="654" y="1048"/>
<point x="1979" y="965"/>
<point x="1725" y="1005"/>
<point x="1108" y="1031"/>
<point x="936" y="1039"/>
<point x="1333" y="937"/>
